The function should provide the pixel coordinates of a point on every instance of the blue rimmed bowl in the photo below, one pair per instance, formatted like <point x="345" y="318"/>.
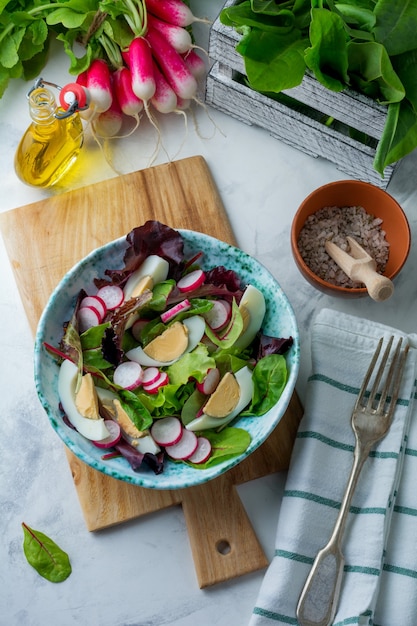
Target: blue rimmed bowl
<point x="279" y="322"/>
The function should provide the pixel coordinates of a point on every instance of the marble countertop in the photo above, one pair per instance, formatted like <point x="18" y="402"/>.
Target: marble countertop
<point x="141" y="573"/>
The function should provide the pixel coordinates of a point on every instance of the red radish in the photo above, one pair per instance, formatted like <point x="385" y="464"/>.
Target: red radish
<point x="112" y="295"/>
<point x="164" y="99"/>
<point x="128" y="375"/>
<point x="203" y="451"/>
<point x="173" y="311"/>
<point x="178" y="37"/>
<point x="154" y="387"/>
<point x="87" y="317"/>
<point x="128" y="101"/>
<point x="172" y="11"/>
<point x="172" y="66"/>
<point x="109" y="123"/>
<point x="166" y="431"/>
<point x="96" y="303"/>
<point x="209" y="382"/>
<point x="137" y="327"/>
<point x="99" y="85"/>
<point x="141" y="68"/>
<point x="82" y="79"/>
<point x="182" y="105"/>
<point x="185" y="447"/>
<point x="195" y="64"/>
<point x="191" y="281"/>
<point x="114" y="437"/>
<point x="150" y="375"/>
<point x="219" y="314"/>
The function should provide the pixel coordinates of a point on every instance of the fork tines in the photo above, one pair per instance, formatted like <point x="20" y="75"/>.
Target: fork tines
<point x="390" y="390"/>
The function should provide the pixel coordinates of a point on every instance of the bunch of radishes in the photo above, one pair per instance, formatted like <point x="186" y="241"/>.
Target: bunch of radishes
<point x="159" y="68"/>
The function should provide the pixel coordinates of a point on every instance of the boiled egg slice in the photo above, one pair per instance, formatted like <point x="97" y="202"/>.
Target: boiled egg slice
<point x="172" y="344"/>
<point x="244" y="380"/>
<point x="153" y="270"/>
<point x="93" y="429"/>
<point x="252" y="308"/>
<point x="142" y="442"/>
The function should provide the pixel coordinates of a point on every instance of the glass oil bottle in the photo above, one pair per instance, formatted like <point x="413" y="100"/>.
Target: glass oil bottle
<point x="52" y="142"/>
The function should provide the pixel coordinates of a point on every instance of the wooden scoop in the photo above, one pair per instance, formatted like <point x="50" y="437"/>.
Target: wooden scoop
<point x="361" y="267"/>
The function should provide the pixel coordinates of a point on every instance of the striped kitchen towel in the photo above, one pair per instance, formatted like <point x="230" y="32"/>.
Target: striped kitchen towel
<point x="379" y="586"/>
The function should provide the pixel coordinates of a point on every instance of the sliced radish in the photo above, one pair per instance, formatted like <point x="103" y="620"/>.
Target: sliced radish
<point x="114" y="436"/>
<point x="166" y="431"/>
<point x="209" y="382"/>
<point x="87" y="318"/>
<point x="150" y="375"/>
<point x="191" y="281"/>
<point x="161" y="381"/>
<point x="219" y="314"/>
<point x="112" y="295"/>
<point x="173" y="311"/>
<point x="128" y="375"/>
<point x="184" y="448"/>
<point x="96" y="303"/>
<point x="137" y="327"/>
<point x="203" y="451"/>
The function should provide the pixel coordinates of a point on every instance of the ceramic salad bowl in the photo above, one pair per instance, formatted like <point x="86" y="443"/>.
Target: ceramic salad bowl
<point x="279" y="321"/>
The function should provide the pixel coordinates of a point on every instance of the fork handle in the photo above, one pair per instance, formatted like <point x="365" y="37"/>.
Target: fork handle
<point x="318" y="601"/>
<point x="320" y="595"/>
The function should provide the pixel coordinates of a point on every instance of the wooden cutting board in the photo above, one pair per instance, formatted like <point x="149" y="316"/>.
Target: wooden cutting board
<point x="44" y="240"/>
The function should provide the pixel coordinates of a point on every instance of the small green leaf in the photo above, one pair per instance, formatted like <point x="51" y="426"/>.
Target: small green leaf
<point x="226" y="444"/>
<point x="45" y="556"/>
<point x="269" y="379"/>
<point x="66" y="17"/>
<point x="135" y="409"/>
<point x="9" y="56"/>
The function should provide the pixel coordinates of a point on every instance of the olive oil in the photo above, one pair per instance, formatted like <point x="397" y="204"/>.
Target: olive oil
<point x="51" y="143"/>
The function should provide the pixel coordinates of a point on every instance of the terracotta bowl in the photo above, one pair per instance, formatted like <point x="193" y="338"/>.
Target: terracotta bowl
<point x="376" y="202"/>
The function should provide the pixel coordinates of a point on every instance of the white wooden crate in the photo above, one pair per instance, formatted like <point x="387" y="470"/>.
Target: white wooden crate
<point x="226" y="91"/>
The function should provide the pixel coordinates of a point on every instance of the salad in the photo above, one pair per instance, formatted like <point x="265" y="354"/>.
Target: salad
<point x="163" y="356"/>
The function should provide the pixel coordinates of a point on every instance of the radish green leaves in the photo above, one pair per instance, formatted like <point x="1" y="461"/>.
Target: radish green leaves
<point x="366" y="45"/>
<point x="45" y="556"/>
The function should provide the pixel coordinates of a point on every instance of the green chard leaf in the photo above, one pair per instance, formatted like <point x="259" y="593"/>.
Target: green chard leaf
<point x="45" y="556"/>
<point x="273" y="63"/>
<point x="405" y="67"/>
<point x="399" y="137"/>
<point x="240" y="15"/>
<point x="328" y="57"/>
<point x="371" y="70"/>
<point x="360" y="17"/>
<point x="395" y="25"/>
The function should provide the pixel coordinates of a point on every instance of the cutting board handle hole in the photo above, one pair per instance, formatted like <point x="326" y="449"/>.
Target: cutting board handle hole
<point x="223" y="547"/>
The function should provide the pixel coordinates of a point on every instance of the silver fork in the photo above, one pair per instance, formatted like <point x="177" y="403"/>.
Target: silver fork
<point x="371" y="419"/>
